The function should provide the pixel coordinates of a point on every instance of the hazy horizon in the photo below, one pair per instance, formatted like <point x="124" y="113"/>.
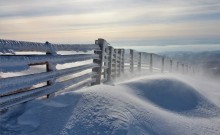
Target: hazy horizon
<point x="171" y="25"/>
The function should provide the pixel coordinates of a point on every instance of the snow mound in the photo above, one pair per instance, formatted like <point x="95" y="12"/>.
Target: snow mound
<point x="149" y="106"/>
<point x="174" y="95"/>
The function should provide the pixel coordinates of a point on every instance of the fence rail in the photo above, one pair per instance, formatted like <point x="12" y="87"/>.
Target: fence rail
<point x="107" y="64"/>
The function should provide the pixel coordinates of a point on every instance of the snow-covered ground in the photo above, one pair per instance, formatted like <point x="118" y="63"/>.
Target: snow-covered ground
<point x="151" y="105"/>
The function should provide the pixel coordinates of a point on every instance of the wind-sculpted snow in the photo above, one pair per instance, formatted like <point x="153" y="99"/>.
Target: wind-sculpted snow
<point x="141" y="107"/>
<point x="175" y="96"/>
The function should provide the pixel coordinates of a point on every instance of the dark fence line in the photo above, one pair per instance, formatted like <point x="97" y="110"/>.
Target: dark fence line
<point x="107" y="64"/>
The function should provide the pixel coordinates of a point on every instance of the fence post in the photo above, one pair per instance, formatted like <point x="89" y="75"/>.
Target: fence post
<point x="193" y="70"/>
<point x="49" y="68"/>
<point x="116" y="63"/>
<point x="190" y="69"/>
<point x="171" y="66"/>
<point x="103" y="45"/>
<point x="113" y="63"/>
<point x="109" y="71"/>
<point x="120" y="61"/>
<point x="151" y="63"/>
<point x="139" y="61"/>
<point x="187" y="69"/>
<point x="183" y="68"/>
<point x="162" y="66"/>
<point x="123" y="60"/>
<point x="177" y="66"/>
<point x="131" y="60"/>
<point x="106" y="62"/>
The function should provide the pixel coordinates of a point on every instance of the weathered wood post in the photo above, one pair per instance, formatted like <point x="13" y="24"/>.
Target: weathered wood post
<point x="162" y="65"/>
<point x="113" y="63"/>
<point x="120" y="61"/>
<point x="103" y="45"/>
<point x="139" y="61"/>
<point x="177" y="66"/>
<point x="116" y="63"/>
<point x="151" y="63"/>
<point x="106" y="63"/>
<point x="190" y="69"/>
<point x="193" y="70"/>
<point x="50" y="67"/>
<point x="131" y="60"/>
<point x="183" y="71"/>
<point x="187" y="69"/>
<point x="123" y="61"/>
<point x="109" y="71"/>
<point x="171" y="66"/>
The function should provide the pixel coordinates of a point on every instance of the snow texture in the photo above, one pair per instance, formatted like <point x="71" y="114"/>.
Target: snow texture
<point x="153" y="105"/>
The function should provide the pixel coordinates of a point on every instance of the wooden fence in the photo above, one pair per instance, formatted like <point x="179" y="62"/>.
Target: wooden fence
<point x="107" y="64"/>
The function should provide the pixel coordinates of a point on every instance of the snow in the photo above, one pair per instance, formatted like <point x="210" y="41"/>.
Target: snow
<point x="12" y="46"/>
<point x="150" y="105"/>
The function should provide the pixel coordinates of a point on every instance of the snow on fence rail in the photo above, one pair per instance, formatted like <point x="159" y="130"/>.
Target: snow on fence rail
<point x="107" y="64"/>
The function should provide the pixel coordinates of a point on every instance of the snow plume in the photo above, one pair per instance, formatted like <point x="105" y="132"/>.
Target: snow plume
<point x="154" y="104"/>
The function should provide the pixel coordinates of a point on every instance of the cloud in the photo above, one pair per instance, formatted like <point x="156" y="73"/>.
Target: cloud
<point x="115" y="20"/>
<point x="31" y="8"/>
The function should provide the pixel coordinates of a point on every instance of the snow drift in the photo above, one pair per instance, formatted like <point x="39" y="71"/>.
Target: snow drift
<point x="153" y="105"/>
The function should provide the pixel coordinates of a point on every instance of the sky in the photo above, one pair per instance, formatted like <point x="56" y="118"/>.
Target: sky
<point x="141" y="24"/>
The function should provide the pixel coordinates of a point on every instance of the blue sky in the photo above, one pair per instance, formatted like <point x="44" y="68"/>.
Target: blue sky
<point x="134" y="23"/>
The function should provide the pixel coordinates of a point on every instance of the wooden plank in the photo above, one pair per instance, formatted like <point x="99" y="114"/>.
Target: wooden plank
<point x="78" y="86"/>
<point x="23" y="46"/>
<point x="15" y="63"/>
<point x="15" y="99"/>
<point x="11" y="84"/>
